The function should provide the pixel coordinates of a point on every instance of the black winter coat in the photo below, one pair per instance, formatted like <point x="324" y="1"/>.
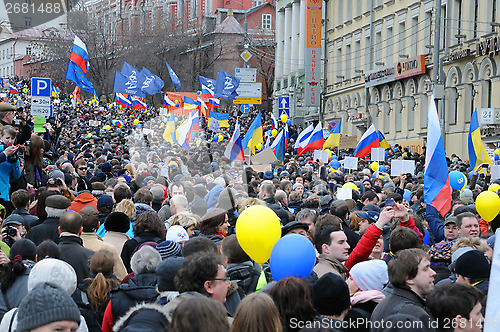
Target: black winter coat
<point x="47" y="230"/>
<point x="75" y="254"/>
<point x="141" y="288"/>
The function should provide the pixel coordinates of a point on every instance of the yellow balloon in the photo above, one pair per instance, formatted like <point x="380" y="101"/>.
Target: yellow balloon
<point x="259" y="146"/>
<point x="198" y="143"/>
<point x="284" y="117"/>
<point x="176" y="101"/>
<point x="220" y="138"/>
<point x="162" y="125"/>
<point x="274" y="132"/>
<point x="488" y="205"/>
<point x="375" y="166"/>
<point x="494" y="187"/>
<point x="350" y="185"/>
<point x="108" y="127"/>
<point x="258" y="229"/>
<point x="136" y="122"/>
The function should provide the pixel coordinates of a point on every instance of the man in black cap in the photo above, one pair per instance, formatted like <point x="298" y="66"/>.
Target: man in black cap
<point x="331" y="300"/>
<point x="13" y="229"/>
<point x="295" y="227"/>
<point x="56" y="206"/>
<point x="472" y="268"/>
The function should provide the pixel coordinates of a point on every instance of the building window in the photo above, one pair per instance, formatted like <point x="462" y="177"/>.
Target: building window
<point x="257" y="3"/>
<point x="28" y="50"/>
<point x="401" y="37"/>
<point x="266" y="21"/>
<point x="27" y="21"/>
<point x="476" y="10"/>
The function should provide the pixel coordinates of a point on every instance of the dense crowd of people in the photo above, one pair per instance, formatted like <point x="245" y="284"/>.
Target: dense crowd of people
<point x="108" y="227"/>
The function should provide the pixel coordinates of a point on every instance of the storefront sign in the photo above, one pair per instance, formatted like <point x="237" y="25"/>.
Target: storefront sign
<point x="379" y="76"/>
<point x="454" y="56"/>
<point x="313" y="52"/>
<point x="488" y="47"/>
<point x="410" y="67"/>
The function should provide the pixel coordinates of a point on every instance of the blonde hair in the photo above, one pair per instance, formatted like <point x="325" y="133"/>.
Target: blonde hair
<point x="257" y="313"/>
<point x="126" y="206"/>
<point x="183" y="219"/>
<point x="473" y="242"/>
<point x="249" y="202"/>
<point x="131" y="169"/>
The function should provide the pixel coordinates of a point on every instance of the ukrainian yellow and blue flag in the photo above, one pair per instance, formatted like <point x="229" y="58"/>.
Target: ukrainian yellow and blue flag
<point x="334" y="139"/>
<point x="254" y="137"/>
<point x="477" y="150"/>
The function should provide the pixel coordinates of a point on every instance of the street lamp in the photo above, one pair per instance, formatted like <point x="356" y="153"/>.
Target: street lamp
<point x="245" y="42"/>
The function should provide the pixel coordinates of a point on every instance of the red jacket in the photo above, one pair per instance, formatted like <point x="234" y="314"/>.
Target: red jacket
<point x="410" y="223"/>
<point x="364" y="247"/>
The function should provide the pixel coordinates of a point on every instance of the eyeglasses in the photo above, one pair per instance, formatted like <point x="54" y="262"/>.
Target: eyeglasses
<point x="82" y="168"/>
<point x="226" y="279"/>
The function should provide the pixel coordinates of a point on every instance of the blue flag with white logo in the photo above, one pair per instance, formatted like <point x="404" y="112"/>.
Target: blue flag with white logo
<point x="173" y="77"/>
<point x="127" y="84"/>
<point x="226" y="85"/>
<point x="152" y="84"/>
<point x="129" y="80"/>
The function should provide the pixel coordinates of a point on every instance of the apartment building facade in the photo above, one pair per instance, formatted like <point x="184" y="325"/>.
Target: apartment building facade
<point x="377" y="67"/>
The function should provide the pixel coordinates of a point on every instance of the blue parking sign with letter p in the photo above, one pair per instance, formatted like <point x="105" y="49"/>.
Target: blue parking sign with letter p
<point x="40" y="87"/>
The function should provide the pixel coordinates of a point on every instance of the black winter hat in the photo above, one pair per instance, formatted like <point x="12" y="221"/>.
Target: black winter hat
<point x="331" y="295"/>
<point x="473" y="265"/>
<point x="166" y="272"/>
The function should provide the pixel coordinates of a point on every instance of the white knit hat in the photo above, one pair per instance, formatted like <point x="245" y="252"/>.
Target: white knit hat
<point x="370" y="275"/>
<point x="177" y="234"/>
<point x="53" y="271"/>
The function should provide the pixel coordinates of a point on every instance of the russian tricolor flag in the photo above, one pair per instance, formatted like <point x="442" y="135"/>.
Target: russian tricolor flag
<point x="303" y="137"/>
<point x="234" y="149"/>
<point x="79" y="54"/>
<point x="13" y="90"/>
<point x="213" y="102"/>
<point x="167" y="101"/>
<point x="368" y="141"/>
<point x="123" y="101"/>
<point x="314" y="141"/>
<point x="206" y="92"/>
<point x="279" y="144"/>
<point x="273" y="121"/>
<point x="437" y="189"/>
<point x="138" y="104"/>
<point x="195" y="124"/>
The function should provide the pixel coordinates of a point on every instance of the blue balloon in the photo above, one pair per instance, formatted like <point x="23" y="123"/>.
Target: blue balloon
<point x="335" y="164"/>
<point x="216" y="138"/>
<point x="375" y="174"/>
<point x="334" y="157"/>
<point x="289" y="122"/>
<point x="383" y="168"/>
<point x="386" y="155"/>
<point x="457" y="180"/>
<point x="139" y="126"/>
<point x="497" y="157"/>
<point x="292" y="256"/>
<point x="407" y="195"/>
